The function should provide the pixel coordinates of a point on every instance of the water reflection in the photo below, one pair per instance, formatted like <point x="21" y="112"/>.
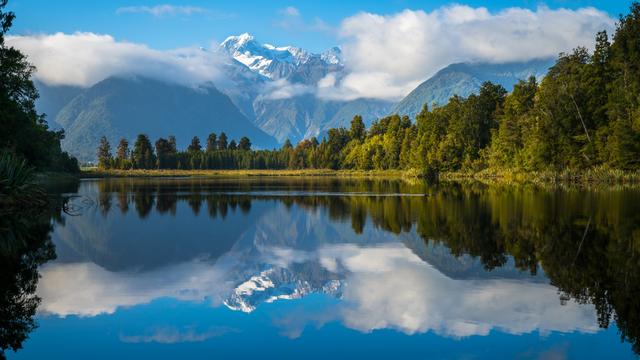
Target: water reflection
<point x="461" y="261"/>
<point x="25" y="244"/>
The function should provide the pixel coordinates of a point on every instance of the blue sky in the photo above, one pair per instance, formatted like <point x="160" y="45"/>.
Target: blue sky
<point x="313" y="26"/>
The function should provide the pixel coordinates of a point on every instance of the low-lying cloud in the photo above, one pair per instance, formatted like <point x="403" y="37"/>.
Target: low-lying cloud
<point x="82" y="59"/>
<point x="388" y="55"/>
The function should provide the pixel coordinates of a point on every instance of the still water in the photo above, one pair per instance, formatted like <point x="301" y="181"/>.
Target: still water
<point x="326" y="268"/>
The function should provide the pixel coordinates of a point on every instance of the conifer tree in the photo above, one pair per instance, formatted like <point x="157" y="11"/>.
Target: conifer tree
<point x="104" y="153"/>
<point x="222" y="141"/>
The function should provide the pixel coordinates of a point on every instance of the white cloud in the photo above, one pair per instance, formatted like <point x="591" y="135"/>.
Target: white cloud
<point x="290" y="11"/>
<point x="172" y="335"/>
<point x="387" y="56"/>
<point x="96" y="290"/>
<point x="162" y="10"/>
<point x="282" y="89"/>
<point x="391" y="287"/>
<point x="86" y="58"/>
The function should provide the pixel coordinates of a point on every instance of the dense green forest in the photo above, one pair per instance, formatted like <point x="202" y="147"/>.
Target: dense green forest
<point x="584" y="114"/>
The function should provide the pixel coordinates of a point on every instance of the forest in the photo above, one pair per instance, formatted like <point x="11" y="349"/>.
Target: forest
<point x="584" y="114"/>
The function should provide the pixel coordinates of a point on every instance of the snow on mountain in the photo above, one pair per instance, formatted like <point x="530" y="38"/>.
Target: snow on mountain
<point x="273" y="62"/>
<point x="332" y="56"/>
<point x="276" y="284"/>
<point x="301" y="115"/>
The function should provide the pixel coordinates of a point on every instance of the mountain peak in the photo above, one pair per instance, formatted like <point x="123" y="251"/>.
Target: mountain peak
<point x="332" y="56"/>
<point x="271" y="61"/>
<point x="238" y="39"/>
<point x="268" y="60"/>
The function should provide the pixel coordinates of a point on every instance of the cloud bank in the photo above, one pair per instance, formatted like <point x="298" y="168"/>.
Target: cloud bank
<point x="388" y="56"/>
<point x="82" y="59"/>
<point x="385" y="56"/>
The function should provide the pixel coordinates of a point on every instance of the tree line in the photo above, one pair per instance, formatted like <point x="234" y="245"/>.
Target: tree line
<point x="584" y="113"/>
<point x="219" y="153"/>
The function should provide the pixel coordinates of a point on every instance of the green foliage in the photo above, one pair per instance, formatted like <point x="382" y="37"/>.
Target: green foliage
<point x="17" y="188"/>
<point x="22" y="130"/>
<point x="122" y="155"/>
<point x="166" y="154"/>
<point x="222" y="141"/>
<point x="357" y="131"/>
<point x="244" y="144"/>
<point x="583" y="115"/>
<point x="104" y="154"/>
<point x="195" y="145"/>
<point x="212" y="142"/>
<point x="142" y="156"/>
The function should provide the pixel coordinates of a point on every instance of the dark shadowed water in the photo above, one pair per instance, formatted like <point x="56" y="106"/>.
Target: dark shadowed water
<point x="325" y="268"/>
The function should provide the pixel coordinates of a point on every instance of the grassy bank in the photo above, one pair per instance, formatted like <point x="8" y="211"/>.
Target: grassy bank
<point x="592" y="176"/>
<point x="102" y="173"/>
<point x="597" y="175"/>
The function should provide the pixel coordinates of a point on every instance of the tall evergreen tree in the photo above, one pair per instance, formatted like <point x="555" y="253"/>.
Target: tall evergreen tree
<point x="123" y="149"/>
<point x="245" y="144"/>
<point x="212" y="142"/>
<point x="104" y="153"/>
<point x="165" y="154"/>
<point x="357" y="130"/>
<point x="172" y="142"/>
<point x="222" y="141"/>
<point x="122" y="154"/>
<point x="195" y="145"/>
<point x="142" y="155"/>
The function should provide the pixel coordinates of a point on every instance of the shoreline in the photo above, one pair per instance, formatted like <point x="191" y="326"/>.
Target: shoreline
<point x="593" y="176"/>
<point x="172" y="173"/>
<point x="567" y="177"/>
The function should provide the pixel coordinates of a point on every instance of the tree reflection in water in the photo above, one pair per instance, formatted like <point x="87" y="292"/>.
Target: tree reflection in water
<point x="25" y="244"/>
<point x="587" y="242"/>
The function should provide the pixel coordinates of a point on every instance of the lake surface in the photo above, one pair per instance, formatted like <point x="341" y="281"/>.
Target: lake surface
<point x="325" y="268"/>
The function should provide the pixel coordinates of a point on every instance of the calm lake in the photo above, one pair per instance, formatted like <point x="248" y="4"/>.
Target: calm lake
<point x="321" y="268"/>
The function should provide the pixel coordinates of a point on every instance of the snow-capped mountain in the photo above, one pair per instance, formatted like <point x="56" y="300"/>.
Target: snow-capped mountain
<point x="332" y="56"/>
<point x="255" y="70"/>
<point x="274" y="62"/>
<point x="277" y="284"/>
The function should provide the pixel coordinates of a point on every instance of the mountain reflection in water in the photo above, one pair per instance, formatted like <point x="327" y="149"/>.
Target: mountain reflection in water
<point x="463" y="260"/>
